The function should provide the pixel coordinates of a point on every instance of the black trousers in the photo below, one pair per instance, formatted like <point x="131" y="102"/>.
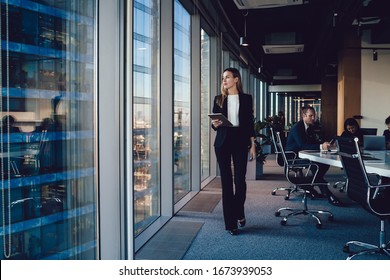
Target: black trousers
<point x="233" y="197"/>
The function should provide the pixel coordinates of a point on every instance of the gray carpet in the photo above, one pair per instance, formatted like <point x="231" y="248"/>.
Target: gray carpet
<point x="264" y="238"/>
<point x="197" y="231"/>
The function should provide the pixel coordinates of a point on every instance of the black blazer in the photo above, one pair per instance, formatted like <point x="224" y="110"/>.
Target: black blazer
<point x="359" y="134"/>
<point x="386" y="133"/>
<point x="298" y="140"/>
<point x="245" y="117"/>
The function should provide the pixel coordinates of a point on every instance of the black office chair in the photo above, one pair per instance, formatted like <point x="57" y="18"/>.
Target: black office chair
<point x="279" y="160"/>
<point x="32" y="161"/>
<point x="372" y="197"/>
<point x="304" y="182"/>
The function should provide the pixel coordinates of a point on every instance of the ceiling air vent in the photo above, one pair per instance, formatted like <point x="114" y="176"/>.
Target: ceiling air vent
<point x="281" y="78"/>
<point x="285" y="74"/>
<point x="262" y="4"/>
<point x="280" y="49"/>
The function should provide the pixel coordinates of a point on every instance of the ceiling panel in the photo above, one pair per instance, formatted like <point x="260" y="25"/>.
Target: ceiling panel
<point x="311" y="31"/>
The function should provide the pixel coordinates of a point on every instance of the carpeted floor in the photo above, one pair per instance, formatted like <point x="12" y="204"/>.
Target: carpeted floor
<point x="264" y="238"/>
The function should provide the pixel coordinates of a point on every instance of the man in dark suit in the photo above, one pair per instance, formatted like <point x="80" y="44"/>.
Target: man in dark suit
<point x="303" y="137"/>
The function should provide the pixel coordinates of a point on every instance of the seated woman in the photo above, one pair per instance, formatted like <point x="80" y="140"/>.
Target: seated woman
<point x="386" y="132"/>
<point x="352" y="129"/>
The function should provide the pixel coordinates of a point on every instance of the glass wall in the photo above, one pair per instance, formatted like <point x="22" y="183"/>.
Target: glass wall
<point x="205" y="105"/>
<point x="48" y="167"/>
<point x="146" y="108"/>
<point x="260" y="99"/>
<point x="182" y="101"/>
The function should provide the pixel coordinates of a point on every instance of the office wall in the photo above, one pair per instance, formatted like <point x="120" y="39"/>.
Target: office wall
<point x="349" y="77"/>
<point x="329" y="107"/>
<point x="375" y="85"/>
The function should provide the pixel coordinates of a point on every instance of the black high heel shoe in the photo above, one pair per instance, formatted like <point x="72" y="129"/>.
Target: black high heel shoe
<point x="334" y="201"/>
<point x="313" y="194"/>
<point x="242" y="222"/>
<point x="233" y="231"/>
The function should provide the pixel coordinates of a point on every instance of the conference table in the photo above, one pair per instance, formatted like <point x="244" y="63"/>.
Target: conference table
<point x="377" y="161"/>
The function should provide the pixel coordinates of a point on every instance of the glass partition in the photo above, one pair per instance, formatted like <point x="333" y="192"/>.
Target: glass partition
<point x="48" y="165"/>
<point x="205" y="105"/>
<point x="146" y="108"/>
<point x="182" y="102"/>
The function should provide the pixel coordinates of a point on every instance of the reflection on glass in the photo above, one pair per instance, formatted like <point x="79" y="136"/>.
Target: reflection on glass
<point x="47" y="135"/>
<point x="182" y="101"/>
<point x="146" y="136"/>
<point x="205" y="105"/>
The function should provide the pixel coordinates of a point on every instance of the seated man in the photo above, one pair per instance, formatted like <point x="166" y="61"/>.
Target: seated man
<point x="302" y="137"/>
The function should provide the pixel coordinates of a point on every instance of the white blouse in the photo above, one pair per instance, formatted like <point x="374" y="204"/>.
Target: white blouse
<point x="233" y="103"/>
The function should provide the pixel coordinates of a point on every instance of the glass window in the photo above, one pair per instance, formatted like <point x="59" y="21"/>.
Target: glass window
<point x="48" y="167"/>
<point x="146" y="112"/>
<point x="182" y="101"/>
<point x="205" y="105"/>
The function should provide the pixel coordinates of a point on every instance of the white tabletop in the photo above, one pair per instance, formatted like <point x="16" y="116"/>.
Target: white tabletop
<point x="381" y="168"/>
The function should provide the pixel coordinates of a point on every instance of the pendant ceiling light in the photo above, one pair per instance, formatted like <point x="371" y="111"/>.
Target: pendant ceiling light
<point x="244" y="40"/>
<point x="374" y="55"/>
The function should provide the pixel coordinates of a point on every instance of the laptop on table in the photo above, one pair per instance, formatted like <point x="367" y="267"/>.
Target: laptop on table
<point x="374" y="142"/>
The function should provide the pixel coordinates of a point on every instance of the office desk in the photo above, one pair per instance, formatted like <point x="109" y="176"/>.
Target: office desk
<point x="381" y="168"/>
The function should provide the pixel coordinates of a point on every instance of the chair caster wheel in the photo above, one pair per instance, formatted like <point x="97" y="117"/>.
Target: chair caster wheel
<point x="346" y="249"/>
<point x="283" y="222"/>
<point x="277" y="214"/>
<point x="273" y="192"/>
<point x="331" y="218"/>
<point x="319" y="226"/>
<point x="287" y="197"/>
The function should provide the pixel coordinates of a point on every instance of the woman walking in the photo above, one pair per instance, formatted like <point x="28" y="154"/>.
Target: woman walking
<point x="232" y="143"/>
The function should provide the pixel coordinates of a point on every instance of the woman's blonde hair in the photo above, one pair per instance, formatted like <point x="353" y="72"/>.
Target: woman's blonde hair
<point x="224" y="92"/>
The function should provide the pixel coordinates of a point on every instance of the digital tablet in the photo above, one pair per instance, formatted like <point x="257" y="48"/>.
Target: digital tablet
<point x="222" y="118"/>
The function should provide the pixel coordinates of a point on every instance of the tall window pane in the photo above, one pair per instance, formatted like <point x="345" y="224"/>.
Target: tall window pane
<point x="48" y="168"/>
<point x="182" y="101"/>
<point x="146" y="92"/>
<point x="205" y="105"/>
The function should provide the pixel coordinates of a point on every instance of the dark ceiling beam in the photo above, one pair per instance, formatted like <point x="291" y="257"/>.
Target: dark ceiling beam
<point x="338" y="20"/>
<point x="233" y="37"/>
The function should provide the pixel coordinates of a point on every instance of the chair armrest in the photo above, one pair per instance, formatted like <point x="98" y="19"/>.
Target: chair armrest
<point x="378" y="178"/>
<point x="380" y="186"/>
<point x="378" y="189"/>
<point x="308" y="166"/>
<point x="292" y="153"/>
<point x="299" y="161"/>
<point x="302" y="160"/>
<point x="301" y="165"/>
